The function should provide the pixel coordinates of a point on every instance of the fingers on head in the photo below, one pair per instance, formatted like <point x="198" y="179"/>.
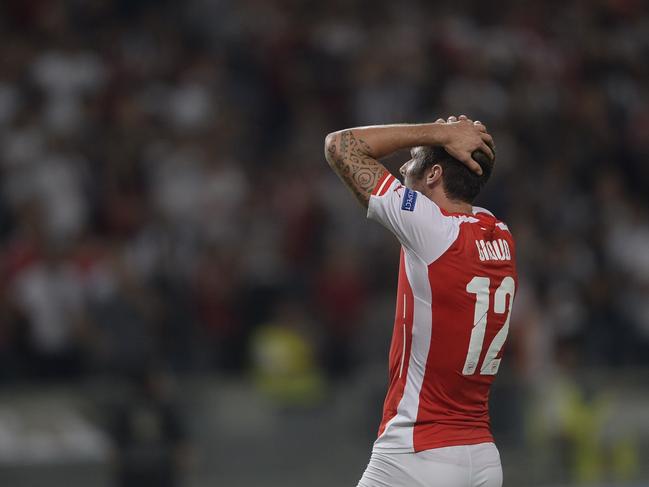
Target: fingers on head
<point x="487" y="150"/>
<point x="440" y="120"/>
<point x="462" y="118"/>
<point x="475" y="167"/>
<point x="471" y="163"/>
<point x="487" y="138"/>
<point x="481" y="126"/>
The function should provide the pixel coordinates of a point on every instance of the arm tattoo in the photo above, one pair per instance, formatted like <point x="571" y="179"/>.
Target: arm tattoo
<point x="348" y="157"/>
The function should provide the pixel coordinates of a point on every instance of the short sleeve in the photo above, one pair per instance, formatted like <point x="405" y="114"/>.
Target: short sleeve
<point x="415" y="220"/>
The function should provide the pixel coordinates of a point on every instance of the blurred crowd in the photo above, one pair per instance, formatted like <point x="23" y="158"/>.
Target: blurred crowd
<point x="164" y="198"/>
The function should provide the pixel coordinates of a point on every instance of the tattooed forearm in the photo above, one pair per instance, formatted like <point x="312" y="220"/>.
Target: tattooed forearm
<point x="349" y="157"/>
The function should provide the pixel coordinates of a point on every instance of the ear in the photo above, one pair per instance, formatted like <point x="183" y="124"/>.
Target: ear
<point x="434" y="175"/>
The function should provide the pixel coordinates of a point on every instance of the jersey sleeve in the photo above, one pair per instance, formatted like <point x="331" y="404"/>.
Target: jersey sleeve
<point x="415" y="220"/>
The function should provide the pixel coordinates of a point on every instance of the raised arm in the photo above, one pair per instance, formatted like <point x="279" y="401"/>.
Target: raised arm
<point x="353" y="153"/>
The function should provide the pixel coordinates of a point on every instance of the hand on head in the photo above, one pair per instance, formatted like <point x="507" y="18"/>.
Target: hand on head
<point x="463" y="137"/>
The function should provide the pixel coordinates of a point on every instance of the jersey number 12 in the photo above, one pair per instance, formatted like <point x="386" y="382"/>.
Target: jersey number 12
<point x="480" y="287"/>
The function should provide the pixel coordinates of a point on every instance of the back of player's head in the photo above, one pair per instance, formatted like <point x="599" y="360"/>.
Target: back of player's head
<point x="460" y="182"/>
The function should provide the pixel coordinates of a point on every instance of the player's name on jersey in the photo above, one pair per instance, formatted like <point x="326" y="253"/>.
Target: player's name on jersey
<point x="493" y="250"/>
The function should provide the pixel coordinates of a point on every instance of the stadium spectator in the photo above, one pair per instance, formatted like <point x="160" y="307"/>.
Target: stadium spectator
<point x="188" y="137"/>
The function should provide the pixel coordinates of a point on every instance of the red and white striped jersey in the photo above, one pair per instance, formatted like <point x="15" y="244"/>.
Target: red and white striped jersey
<point x="457" y="279"/>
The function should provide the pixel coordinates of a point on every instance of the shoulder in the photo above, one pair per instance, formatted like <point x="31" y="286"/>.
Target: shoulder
<point x="408" y="203"/>
<point x="479" y="211"/>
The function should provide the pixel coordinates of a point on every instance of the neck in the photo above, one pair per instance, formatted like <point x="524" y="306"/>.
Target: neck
<point x="449" y="205"/>
<point x="458" y="207"/>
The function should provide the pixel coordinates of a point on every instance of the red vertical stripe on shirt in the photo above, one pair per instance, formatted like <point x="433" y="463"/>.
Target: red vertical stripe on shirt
<point x="397" y="349"/>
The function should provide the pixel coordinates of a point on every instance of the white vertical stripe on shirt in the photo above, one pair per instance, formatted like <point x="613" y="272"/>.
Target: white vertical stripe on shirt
<point x="398" y="434"/>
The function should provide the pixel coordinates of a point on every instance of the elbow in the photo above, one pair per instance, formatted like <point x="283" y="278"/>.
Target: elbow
<point x="330" y="148"/>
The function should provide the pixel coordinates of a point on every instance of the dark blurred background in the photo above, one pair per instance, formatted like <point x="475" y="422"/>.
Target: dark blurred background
<point x="189" y="297"/>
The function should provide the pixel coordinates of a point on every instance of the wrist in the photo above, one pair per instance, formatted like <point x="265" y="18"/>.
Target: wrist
<point x="440" y="134"/>
<point x="434" y="134"/>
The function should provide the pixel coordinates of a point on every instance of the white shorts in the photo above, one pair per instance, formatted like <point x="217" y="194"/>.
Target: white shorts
<point x="452" y="466"/>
